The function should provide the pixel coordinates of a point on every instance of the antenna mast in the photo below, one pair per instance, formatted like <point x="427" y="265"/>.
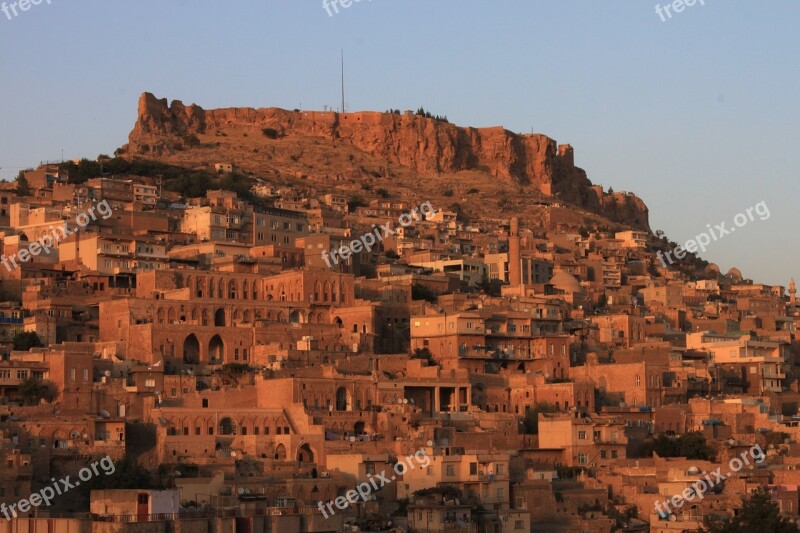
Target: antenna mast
<point x="342" y="80"/>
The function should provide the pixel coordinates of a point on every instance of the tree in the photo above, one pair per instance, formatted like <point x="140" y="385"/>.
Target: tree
<point x="128" y="474"/>
<point x="531" y="421"/>
<point x="23" y="189"/>
<point x="758" y="513"/>
<point x="691" y="445"/>
<point x="34" y="389"/>
<point x="422" y="353"/>
<point x="354" y="203"/>
<point x="490" y="287"/>
<point x="26" y="340"/>
<point x="422" y="292"/>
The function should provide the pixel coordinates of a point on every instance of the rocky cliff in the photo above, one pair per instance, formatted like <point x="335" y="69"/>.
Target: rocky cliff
<point x="422" y="144"/>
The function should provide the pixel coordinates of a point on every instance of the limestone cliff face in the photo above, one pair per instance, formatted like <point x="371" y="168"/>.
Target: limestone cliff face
<point x="418" y="143"/>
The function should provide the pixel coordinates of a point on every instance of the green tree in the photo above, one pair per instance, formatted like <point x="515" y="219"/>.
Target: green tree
<point x="355" y="202"/>
<point x="34" y="389"/>
<point x="128" y="474"/>
<point x="531" y="420"/>
<point x="422" y="292"/>
<point x="758" y="513"/>
<point x="691" y="445"/>
<point x="23" y="189"/>
<point x="26" y="340"/>
<point x="490" y="287"/>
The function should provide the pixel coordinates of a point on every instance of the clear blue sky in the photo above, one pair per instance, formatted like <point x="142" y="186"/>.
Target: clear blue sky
<point x="698" y="115"/>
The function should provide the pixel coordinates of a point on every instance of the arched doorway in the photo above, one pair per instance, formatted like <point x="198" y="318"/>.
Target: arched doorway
<point x="227" y="427"/>
<point x="280" y="452"/>
<point x="296" y="317"/>
<point x="304" y="454"/>
<point x="216" y="349"/>
<point x="191" y="350"/>
<point x="219" y="318"/>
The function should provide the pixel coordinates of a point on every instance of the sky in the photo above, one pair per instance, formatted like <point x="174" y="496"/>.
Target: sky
<point x="698" y="113"/>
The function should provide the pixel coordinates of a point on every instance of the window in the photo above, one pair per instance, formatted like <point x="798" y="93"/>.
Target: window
<point x="150" y="383"/>
<point x="501" y="494"/>
<point x="602" y="454"/>
<point x="369" y="468"/>
<point x="450" y="470"/>
<point x="85" y="375"/>
<point x="473" y="469"/>
<point x="582" y="435"/>
<point x="500" y="469"/>
<point x="582" y="459"/>
<point x="71" y="374"/>
<point x="519" y="524"/>
<point x="638" y="380"/>
<point x="430" y="471"/>
<point x="614" y="454"/>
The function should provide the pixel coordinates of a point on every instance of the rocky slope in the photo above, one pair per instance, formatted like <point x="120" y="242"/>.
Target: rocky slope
<point x="529" y="164"/>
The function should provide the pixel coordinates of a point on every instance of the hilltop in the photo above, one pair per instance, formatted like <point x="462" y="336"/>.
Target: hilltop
<point x="407" y="155"/>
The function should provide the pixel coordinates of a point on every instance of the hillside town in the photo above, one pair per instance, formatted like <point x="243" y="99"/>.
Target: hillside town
<point x="494" y="374"/>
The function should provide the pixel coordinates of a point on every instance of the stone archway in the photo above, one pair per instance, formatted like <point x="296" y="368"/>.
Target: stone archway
<point x="305" y="454"/>
<point x="191" y="350"/>
<point x="280" y="452"/>
<point x="216" y="350"/>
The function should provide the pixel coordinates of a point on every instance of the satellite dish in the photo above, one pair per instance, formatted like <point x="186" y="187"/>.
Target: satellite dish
<point x="104" y="414"/>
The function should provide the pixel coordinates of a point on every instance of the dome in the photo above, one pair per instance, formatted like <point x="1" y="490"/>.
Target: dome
<point x="734" y="273"/>
<point x="566" y="282"/>
<point x="712" y="268"/>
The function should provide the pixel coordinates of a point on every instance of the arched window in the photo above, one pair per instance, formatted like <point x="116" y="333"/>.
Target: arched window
<point x="343" y="399"/>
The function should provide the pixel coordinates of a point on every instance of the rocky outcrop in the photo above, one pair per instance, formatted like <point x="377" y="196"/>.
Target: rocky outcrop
<point x="422" y="144"/>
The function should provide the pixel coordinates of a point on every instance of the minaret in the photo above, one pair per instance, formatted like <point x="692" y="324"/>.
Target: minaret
<point x="792" y="292"/>
<point x="514" y="260"/>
